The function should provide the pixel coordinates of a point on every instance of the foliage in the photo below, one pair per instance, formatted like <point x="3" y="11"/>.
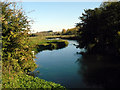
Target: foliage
<point x="17" y="58"/>
<point x="99" y="29"/>
<point x="72" y="31"/>
<point x="63" y="31"/>
<point x="43" y="44"/>
<point x="16" y="54"/>
<point x="25" y="81"/>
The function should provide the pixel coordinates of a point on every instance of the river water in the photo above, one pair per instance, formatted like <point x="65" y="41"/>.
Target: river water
<point x="66" y="67"/>
<point x="60" y="66"/>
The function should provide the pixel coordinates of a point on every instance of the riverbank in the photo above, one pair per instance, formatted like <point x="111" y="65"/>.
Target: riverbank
<point x="59" y="65"/>
<point x="43" y="44"/>
<point x="21" y="80"/>
<point x="68" y="37"/>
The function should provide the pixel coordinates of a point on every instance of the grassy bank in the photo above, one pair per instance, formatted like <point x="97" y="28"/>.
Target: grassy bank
<point x="22" y="80"/>
<point x="19" y="79"/>
<point x="43" y="44"/>
<point x="26" y="81"/>
<point x="69" y="37"/>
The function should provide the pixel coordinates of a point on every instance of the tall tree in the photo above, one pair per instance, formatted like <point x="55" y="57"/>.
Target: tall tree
<point x="16" y="53"/>
<point x="99" y="29"/>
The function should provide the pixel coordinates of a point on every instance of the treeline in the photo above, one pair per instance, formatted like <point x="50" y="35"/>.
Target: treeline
<point x="100" y="29"/>
<point x="44" y="33"/>
<point x="72" y="31"/>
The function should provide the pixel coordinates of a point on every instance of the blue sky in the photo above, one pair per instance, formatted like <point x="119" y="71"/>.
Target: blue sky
<point x="56" y="15"/>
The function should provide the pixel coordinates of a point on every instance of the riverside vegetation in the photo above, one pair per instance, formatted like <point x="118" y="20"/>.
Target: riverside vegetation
<point x="17" y="59"/>
<point x="38" y="44"/>
<point x="68" y="37"/>
<point x="98" y="33"/>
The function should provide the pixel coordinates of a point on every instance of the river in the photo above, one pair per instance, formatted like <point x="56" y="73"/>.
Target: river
<point x="60" y="66"/>
<point x="66" y="67"/>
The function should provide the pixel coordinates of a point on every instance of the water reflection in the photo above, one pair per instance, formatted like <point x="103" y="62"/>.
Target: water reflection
<point x="94" y="70"/>
<point x="100" y="71"/>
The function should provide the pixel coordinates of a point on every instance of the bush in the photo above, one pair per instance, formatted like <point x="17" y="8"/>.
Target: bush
<point x="25" y="81"/>
<point x="17" y="58"/>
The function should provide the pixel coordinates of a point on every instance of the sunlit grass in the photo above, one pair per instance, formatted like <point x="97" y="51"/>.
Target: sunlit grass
<point x="42" y="41"/>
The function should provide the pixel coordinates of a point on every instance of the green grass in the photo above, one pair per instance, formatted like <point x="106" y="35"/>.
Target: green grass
<point x="58" y="36"/>
<point x="26" y="81"/>
<point x="39" y="44"/>
<point x="69" y="37"/>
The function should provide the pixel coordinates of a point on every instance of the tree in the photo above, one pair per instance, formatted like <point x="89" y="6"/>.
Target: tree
<point x="16" y="53"/>
<point x="17" y="58"/>
<point x="99" y="29"/>
<point x="63" y="31"/>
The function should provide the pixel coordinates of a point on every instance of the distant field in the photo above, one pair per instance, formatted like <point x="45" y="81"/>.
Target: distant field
<point x="61" y="36"/>
<point x="70" y="37"/>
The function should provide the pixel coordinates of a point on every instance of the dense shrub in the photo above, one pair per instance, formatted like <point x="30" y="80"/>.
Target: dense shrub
<point x="16" y="53"/>
<point x="99" y="29"/>
<point x="25" y="81"/>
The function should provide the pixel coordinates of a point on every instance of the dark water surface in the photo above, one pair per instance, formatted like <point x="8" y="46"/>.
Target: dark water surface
<point x="72" y="70"/>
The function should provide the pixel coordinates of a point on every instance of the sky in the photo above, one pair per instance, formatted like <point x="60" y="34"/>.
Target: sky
<point x="55" y="15"/>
